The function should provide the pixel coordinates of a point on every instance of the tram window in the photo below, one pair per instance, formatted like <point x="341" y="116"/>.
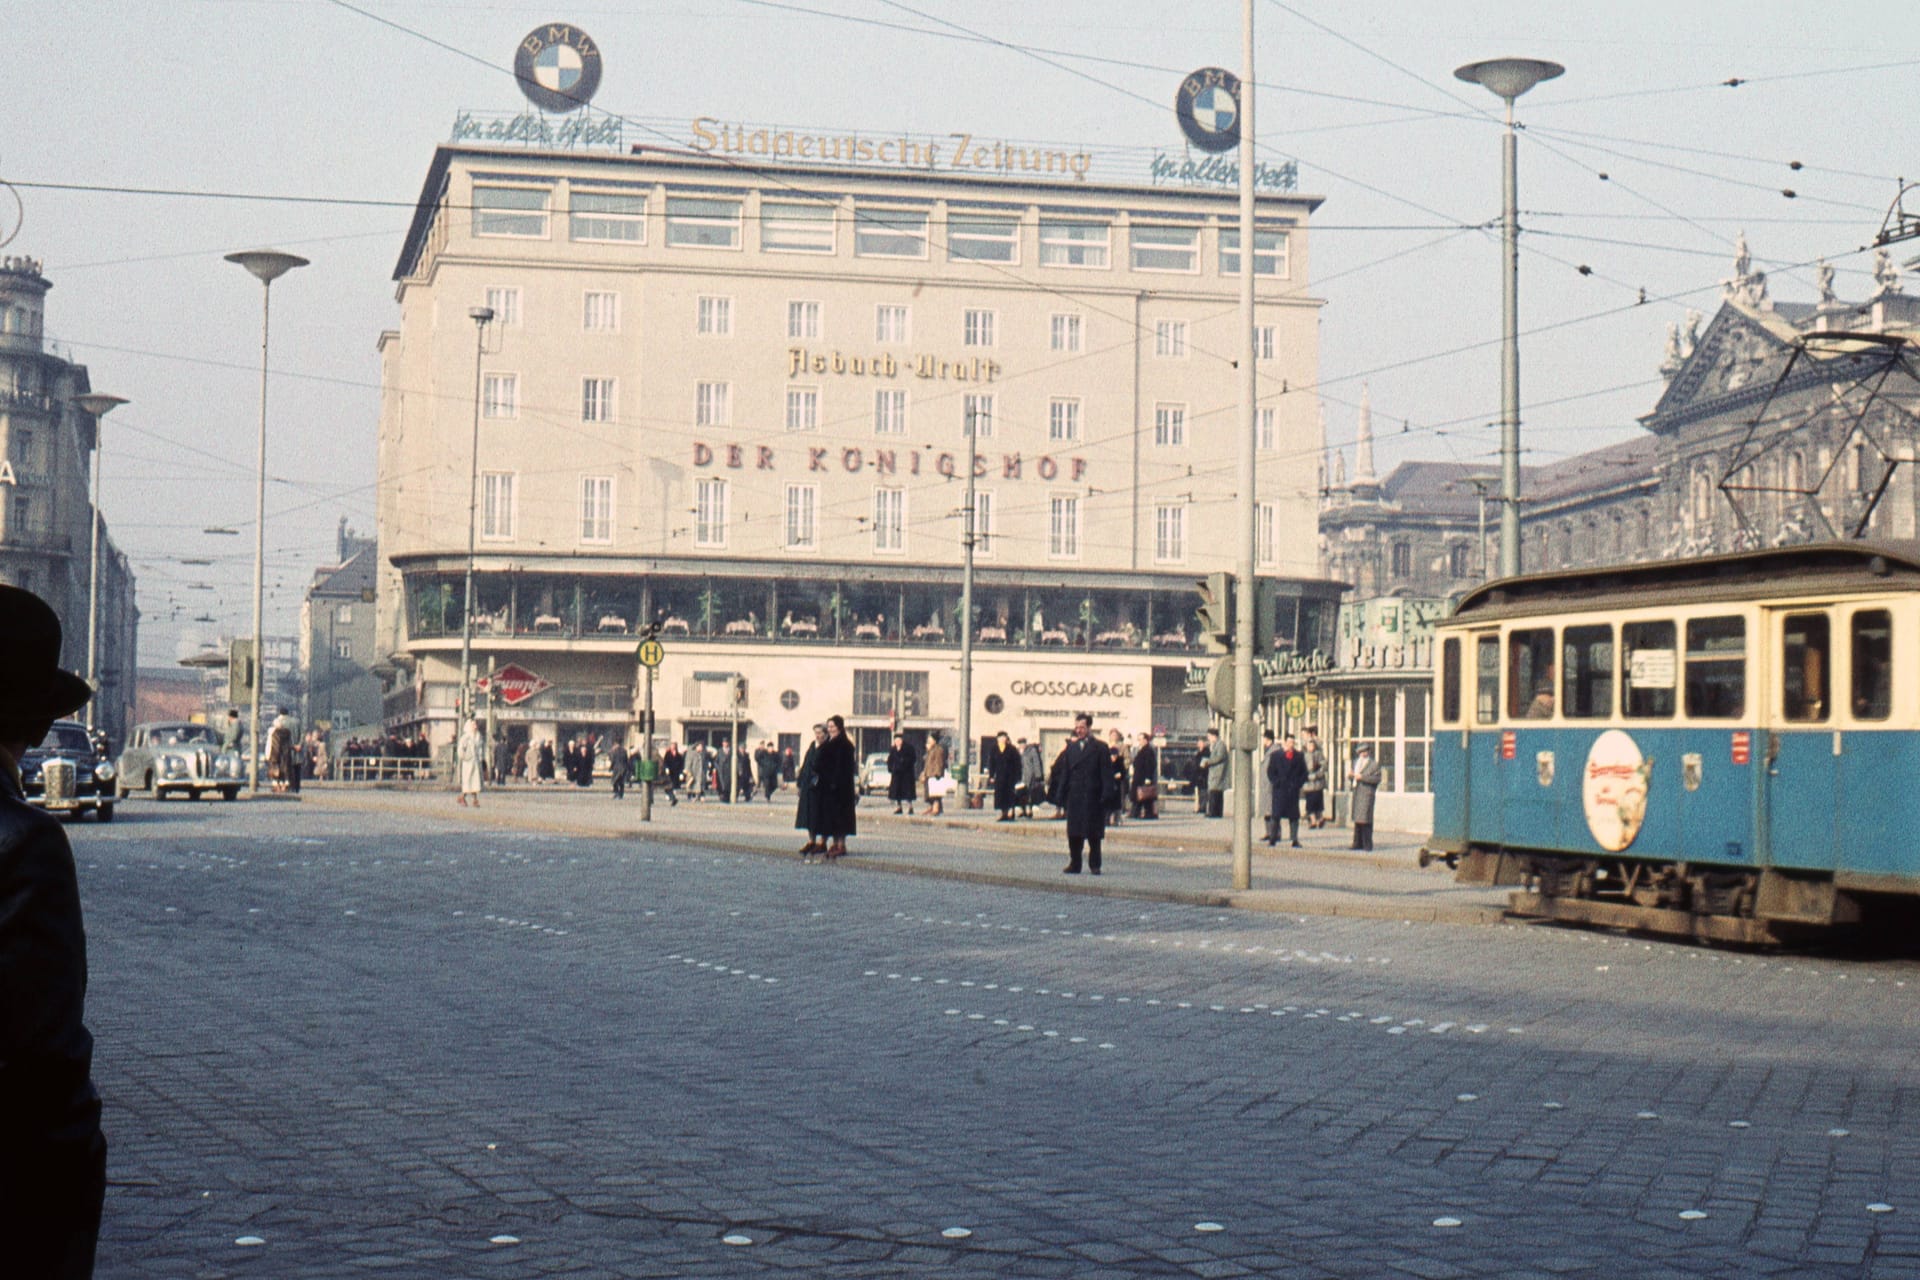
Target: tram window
<point x="1872" y="664"/>
<point x="1487" y="695"/>
<point x="1530" y="674"/>
<point x="1586" y="666"/>
<point x="1450" y="680"/>
<point x="1805" y="640"/>
<point x="1647" y="677"/>
<point x="1716" y="667"/>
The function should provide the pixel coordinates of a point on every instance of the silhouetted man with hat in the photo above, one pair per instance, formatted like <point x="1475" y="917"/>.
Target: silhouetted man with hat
<point x="53" y="1160"/>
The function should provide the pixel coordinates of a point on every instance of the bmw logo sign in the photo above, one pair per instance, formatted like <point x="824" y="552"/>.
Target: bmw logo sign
<point x="1208" y="105"/>
<point x="558" y="67"/>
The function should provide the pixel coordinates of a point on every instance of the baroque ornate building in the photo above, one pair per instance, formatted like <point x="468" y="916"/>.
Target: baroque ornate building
<point x="1780" y="422"/>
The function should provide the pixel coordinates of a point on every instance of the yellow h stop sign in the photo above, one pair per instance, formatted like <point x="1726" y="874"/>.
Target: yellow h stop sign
<point x="651" y="653"/>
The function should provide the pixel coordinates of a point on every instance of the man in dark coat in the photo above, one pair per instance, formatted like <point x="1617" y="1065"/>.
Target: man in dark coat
<point x="53" y="1160"/>
<point x="1286" y="774"/>
<point x="836" y="770"/>
<point x="807" y="784"/>
<point x="767" y="760"/>
<point x="1082" y="784"/>
<point x="673" y="764"/>
<point x="903" y="769"/>
<point x="617" y="758"/>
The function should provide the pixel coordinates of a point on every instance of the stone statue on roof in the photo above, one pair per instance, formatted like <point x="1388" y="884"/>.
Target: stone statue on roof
<point x="1823" y="281"/>
<point x="1886" y="274"/>
<point x="1670" y="362"/>
<point x="1690" y="337"/>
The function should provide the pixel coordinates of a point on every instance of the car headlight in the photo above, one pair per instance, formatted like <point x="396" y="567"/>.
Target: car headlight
<point x="103" y="772"/>
<point x="173" y="766"/>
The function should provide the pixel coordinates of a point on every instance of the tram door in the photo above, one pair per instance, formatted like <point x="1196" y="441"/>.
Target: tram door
<point x="1485" y="801"/>
<point x="1800" y="756"/>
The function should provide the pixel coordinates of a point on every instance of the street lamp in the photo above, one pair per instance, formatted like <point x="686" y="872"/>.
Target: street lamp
<point x="95" y="406"/>
<point x="266" y="266"/>
<point x="482" y="317"/>
<point x="1509" y="78"/>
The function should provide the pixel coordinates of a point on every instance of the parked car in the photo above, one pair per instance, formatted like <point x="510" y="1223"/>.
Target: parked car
<point x="176" y="757"/>
<point x="875" y="777"/>
<point x="66" y="775"/>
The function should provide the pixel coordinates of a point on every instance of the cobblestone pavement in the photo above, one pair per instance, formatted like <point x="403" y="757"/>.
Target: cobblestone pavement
<point x="336" y="1042"/>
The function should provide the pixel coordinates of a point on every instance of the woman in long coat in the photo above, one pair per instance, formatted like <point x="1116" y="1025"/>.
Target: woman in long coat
<point x="1003" y="767"/>
<point x="934" y="769"/>
<point x="1366" y="781"/>
<point x="806" y="783"/>
<point x="901" y="763"/>
<point x="468" y="753"/>
<point x="837" y="768"/>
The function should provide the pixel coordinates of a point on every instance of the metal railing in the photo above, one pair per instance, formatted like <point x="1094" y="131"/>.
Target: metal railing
<point x="383" y="769"/>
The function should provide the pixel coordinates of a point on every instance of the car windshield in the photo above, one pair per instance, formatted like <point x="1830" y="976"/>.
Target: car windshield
<point x="179" y="735"/>
<point x="66" y="737"/>
<point x="878" y="760"/>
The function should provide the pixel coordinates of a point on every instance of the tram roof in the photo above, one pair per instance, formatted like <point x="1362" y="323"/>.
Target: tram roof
<point x="1738" y="575"/>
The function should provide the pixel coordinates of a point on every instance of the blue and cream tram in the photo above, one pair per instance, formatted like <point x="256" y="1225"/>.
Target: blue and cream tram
<point x="1727" y="747"/>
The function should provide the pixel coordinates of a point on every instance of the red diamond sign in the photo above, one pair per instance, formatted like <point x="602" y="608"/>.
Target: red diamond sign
<point x="515" y="684"/>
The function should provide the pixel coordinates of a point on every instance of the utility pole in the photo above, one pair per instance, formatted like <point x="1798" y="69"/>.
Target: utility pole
<point x="964" y="748"/>
<point x="1246" y="693"/>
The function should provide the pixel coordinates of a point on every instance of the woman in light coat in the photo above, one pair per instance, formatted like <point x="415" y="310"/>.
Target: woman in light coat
<point x="934" y="768"/>
<point x="1365" y="778"/>
<point x="468" y="762"/>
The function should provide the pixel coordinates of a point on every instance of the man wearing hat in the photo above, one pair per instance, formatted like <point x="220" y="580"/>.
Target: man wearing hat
<point x="53" y="1160"/>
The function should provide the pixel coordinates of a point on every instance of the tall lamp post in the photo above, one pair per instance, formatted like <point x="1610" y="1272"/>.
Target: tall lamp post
<point x="1509" y="78"/>
<point x="482" y="317"/>
<point x="266" y="266"/>
<point x="95" y="406"/>
<point x="969" y="536"/>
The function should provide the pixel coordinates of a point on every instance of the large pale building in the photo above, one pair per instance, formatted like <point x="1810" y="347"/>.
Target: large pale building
<point x="47" y="445"/>
<point x="734" y="401"/>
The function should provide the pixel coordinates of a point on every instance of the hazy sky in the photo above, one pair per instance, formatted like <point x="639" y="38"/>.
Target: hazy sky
<point x="311" y="98"/>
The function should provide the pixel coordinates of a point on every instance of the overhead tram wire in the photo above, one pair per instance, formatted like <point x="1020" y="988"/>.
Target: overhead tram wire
<point x="1736" y="82"/>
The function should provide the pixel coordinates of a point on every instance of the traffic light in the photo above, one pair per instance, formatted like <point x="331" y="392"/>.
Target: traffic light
<point x="1216" y="612"/>
<point x="737" y="690"/>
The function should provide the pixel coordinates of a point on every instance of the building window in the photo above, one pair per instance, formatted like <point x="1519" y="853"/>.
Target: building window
<point x="23" y="448"/>
<point x="976" y="415"/>
<point x="789" y="226"/>
<point x="713" y="404"/>
<point x="978" y="327"/>
<point x="1170" y="338"/>
<point x="890" y="323"/>
<point x="1064" y="333"/>
<point x="983" y="522"/>
<point x="803" y="408"/>
<point x="1073" y="244"/>
<point x="802" y="522"/>
<point x="1459" y="558"/>
<point x="701" y="222"/>
<point x="1265" y="544"/>
<point x="714" y="317"/>
<point x="608" y="215"/>
<point x="1063" y="420"/>
<point x="343" y="649"/>
<point x="1402" y="559"/>
<point x="1263" y="429"/>
<point x="889" y="519"/>
<point x="1269" y="252"/>
<point x="22" y="514"/>
<point x="890" y="233"/>
<point x="1166" y="249"/>
<point x="1169" y="425"/>
<point x="974" y="237"/>
<point x="1169" y="534"/>
<point x="500" y="395"/>
<point x="511" y="211"/>
<point x="600" y="312"/>
<point x="890" y="411"/>
<point x="710" y="512"/>
<point x="1063" y="527"/>
<point x="496" y="504"/>
<point x="803" y="319"/>
<point x="596" y="508"/>
<point x="505" y="305"/>
<point x="344" y="615"/>
<point x="596" y="399"/>
<point x="887" y="693"/>
<point x="1263" y="342"/>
